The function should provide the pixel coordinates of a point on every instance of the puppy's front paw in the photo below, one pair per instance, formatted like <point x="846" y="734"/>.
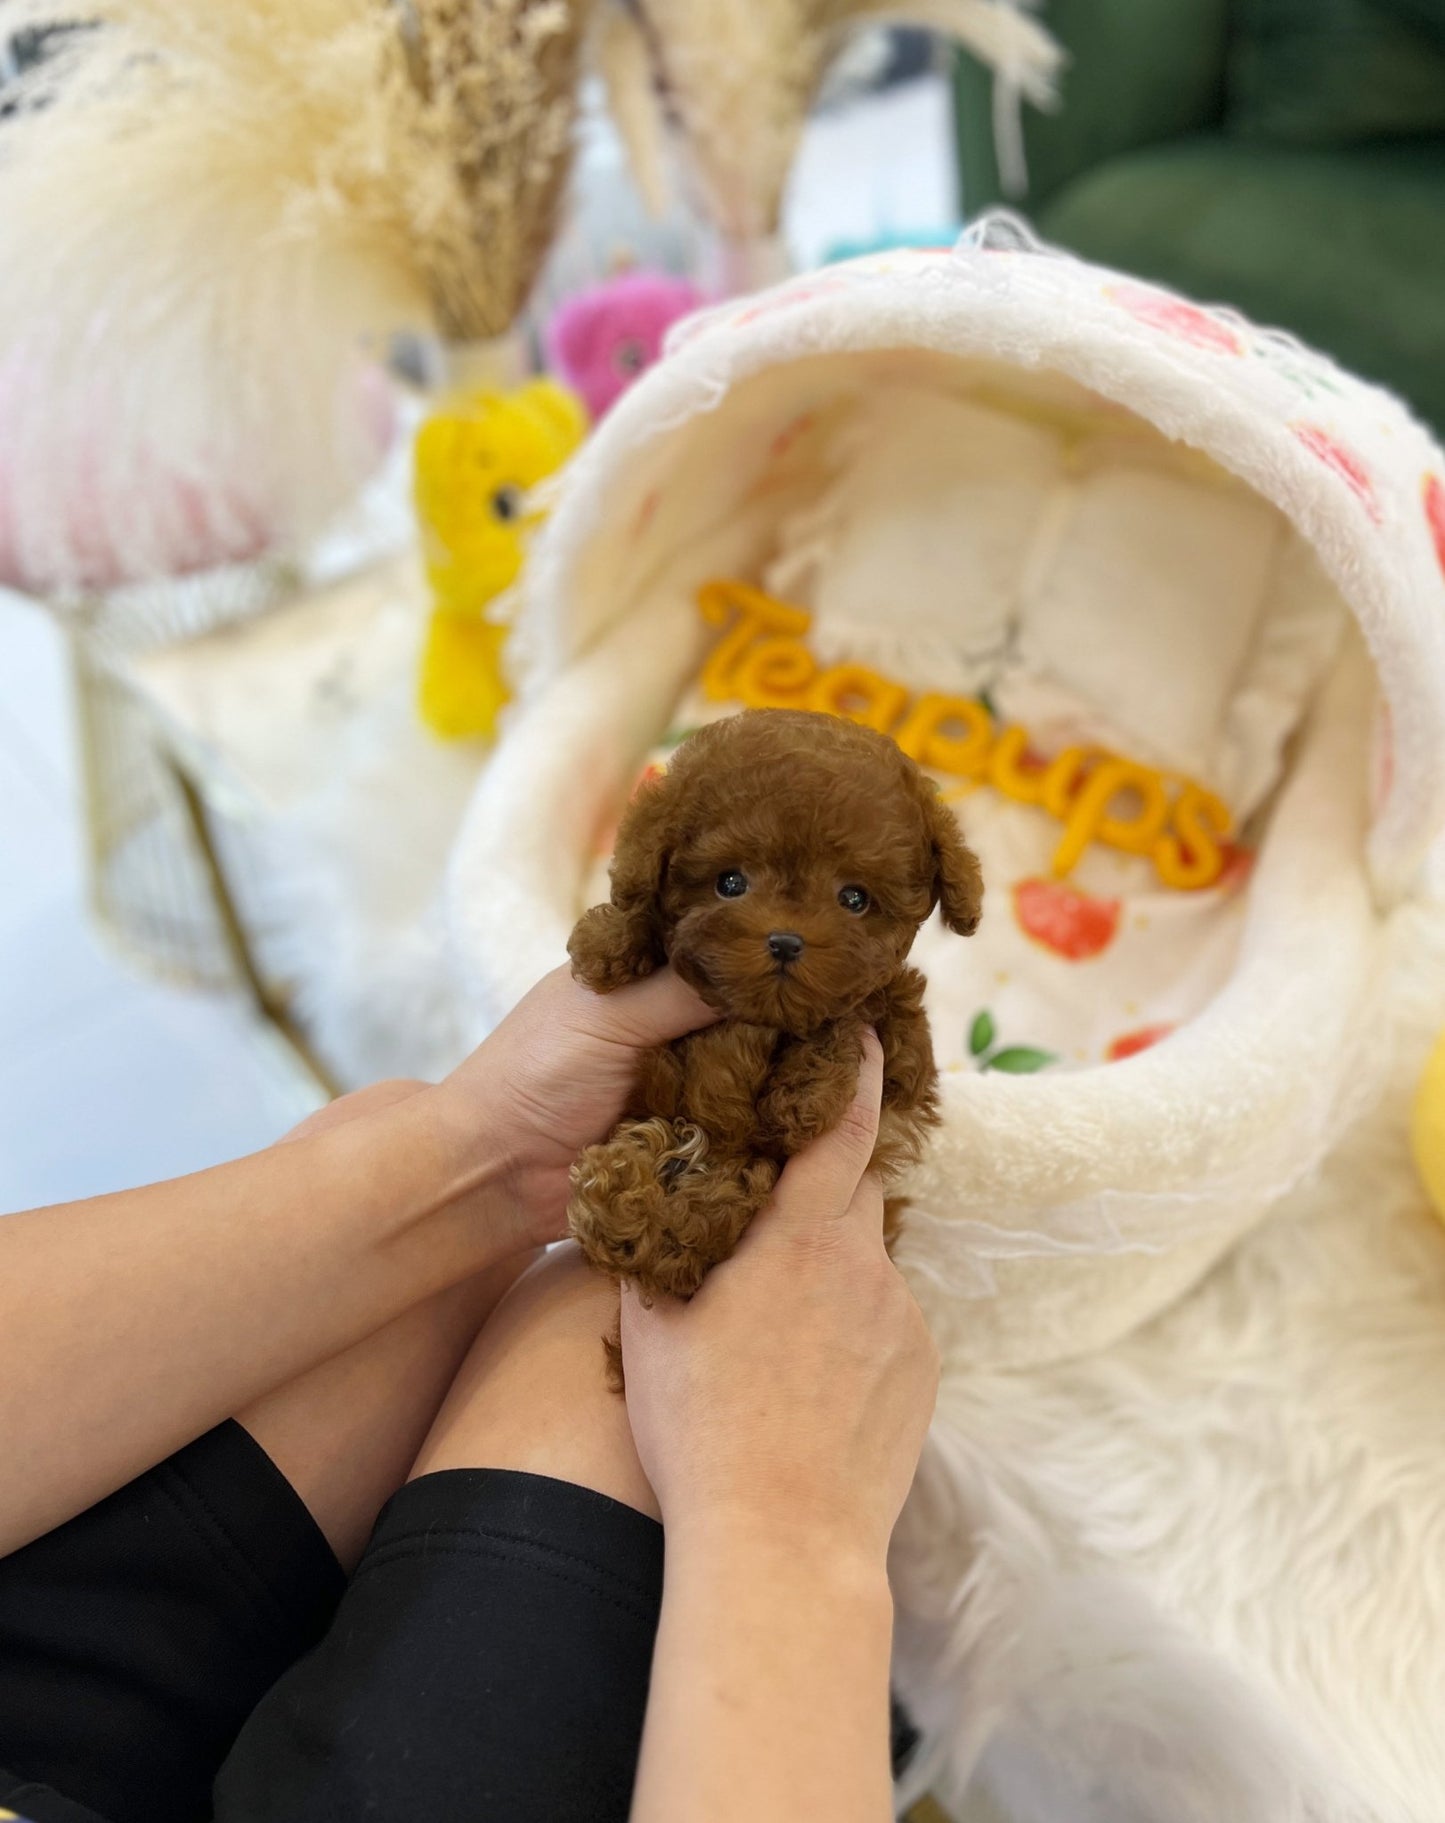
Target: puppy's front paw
<point x="626" y="1193"/>
<point x="610" y="948"/>
<point x="655" y="1205"/>
<point x="810" y="1089"/>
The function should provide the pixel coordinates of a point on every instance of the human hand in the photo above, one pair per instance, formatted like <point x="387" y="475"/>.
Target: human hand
<point x="554" y="1077"/>
<point x="357" y="1105"/>
<point x="793" y="1393"/>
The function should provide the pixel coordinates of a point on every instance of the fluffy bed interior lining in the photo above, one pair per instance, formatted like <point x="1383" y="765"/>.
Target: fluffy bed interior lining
<point x="1091" y="581"/>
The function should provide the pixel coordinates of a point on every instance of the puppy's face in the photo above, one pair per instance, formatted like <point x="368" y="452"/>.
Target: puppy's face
<point x="793" y="858"/>
<point x="788" y="933"/>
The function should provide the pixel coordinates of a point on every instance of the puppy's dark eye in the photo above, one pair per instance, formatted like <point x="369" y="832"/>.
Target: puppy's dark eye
<point x="853" y="899"/>
<point x="508" y="504"/>
<point x="732" y="884"/>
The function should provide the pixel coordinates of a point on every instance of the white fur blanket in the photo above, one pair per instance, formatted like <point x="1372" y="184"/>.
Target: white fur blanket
<point x="1200" y="1575"/>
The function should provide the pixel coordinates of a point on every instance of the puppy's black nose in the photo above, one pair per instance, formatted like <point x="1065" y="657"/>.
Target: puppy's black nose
<point x="786" y="945"/>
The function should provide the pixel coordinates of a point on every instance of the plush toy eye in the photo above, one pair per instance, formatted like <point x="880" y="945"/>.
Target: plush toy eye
<point x="732" y="884"/>
<point x="507" y="504"/>
<point x="853" y="899"/>
<point x="629" y="356"/>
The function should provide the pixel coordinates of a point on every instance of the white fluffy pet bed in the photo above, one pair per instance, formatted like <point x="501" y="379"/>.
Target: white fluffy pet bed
<point x="1135" y="526"/>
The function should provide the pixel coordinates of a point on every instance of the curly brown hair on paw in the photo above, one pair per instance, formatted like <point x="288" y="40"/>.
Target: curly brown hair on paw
<point x="610" y="947"/>
<point x="652" y="1205"/>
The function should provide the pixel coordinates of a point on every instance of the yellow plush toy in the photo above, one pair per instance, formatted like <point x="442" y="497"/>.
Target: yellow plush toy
<point x="476" y="461"/>
<point x="1427" y="1127"/>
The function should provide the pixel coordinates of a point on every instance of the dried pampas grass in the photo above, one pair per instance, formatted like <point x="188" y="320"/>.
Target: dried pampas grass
<point x="213" y="211"/>
<point x="496" y="81"/>
<point x="735" y="79"/>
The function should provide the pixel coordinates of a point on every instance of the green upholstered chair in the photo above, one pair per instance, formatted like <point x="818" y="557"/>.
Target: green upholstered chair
<point x="1283" y="156"/>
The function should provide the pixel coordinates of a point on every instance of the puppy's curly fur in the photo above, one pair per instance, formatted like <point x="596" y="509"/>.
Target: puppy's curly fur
<point x="783" y="865"/>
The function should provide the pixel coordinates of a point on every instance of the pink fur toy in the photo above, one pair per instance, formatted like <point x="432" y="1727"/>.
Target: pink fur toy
<point x="88" y="500"/>
<point x="602" y="339"/>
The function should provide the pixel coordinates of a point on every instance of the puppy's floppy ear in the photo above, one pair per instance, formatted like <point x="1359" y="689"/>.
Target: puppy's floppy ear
<point x="957" y="879"/>
<point x="623" y="940"/>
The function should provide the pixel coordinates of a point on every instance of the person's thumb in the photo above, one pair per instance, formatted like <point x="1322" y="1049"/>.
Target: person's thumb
<point x="644" y="1323"/>
<point x="649" y="1012"/>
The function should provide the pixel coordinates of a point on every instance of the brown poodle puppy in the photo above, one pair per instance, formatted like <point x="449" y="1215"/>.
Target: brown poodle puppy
<point x="783" y="865"/>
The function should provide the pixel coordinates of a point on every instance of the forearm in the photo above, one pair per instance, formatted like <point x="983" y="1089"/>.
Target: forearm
<point x="131" y="1323"/>
<point x="769" y="1694"/>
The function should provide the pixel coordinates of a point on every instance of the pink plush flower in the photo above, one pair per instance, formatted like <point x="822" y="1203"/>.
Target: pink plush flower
<point x="1433" y="493"/>
<point x="1345" y="463"/>
<point x="1188" y="322"/>
<point x="602" y="339"/>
